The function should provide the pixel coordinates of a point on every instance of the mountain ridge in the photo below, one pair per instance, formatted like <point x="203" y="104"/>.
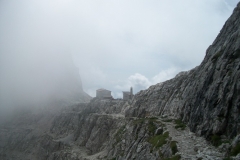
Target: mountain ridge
<point x="212" y="85"/>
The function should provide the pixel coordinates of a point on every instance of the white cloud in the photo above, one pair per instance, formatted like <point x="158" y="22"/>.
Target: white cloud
<point x="141" y="82"/>
<point x="164" y="75"/>
<point x="136" y="81"/>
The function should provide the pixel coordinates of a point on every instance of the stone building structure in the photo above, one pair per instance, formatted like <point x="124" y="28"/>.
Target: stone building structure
<point x="128" y="95"/>
<point x="103" y="94"/>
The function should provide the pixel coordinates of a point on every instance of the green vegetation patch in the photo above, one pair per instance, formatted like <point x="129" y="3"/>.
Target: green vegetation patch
<point x="141" y="120"/>
<point x="226" y="141"/>
<point x="167" y="120"/>
<point x="153" y="118"/>
<point x="216" y="140"/>
<point x="176" y="157"/>
<point x="179" y="124"/>
<point x="138" y="121"/>
<point x="158" y="141"/>
<point x="151" y="126"/>
<point x="118" y="135"/>
<point x="173" y="146"/>
<point x="236" y="150"/>
<point x="150" y="121"/>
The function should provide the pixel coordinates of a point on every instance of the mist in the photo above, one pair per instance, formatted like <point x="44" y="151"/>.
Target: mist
<point x="56" y="50"/>
<point x="38" y="79"/>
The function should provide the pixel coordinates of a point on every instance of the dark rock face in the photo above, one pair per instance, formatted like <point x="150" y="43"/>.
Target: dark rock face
<point x="206" y="97"/>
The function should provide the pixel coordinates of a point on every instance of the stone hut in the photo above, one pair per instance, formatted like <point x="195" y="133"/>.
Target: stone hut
<point x="128" y="94"/>
<point x="103" y="94"/>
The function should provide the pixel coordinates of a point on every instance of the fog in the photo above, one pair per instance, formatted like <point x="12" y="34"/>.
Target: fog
<point x="33" y="80"/>
<point x="46" y="46"/>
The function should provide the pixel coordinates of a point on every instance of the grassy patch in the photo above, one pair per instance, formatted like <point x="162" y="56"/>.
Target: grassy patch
<point x="118" y="135"/>
<point x="226" y="141"/>
<point x="236" y="150"/>
<point x="227" y="158"/>
<point x="153" y="118"/>
<point x="151" y="127"/>
<point x="167" y="120"/>
<point x="173" y="146"/>
<point x="216" y="140"/>
<point x="151" y="123"/>
<point x="158" y="140"/>
<point x="179" y="124"/>
<point x="177" y="157"/>
<point x="138" y="121"/>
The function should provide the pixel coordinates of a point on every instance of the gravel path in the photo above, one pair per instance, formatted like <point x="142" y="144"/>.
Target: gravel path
<point x="191" y="146"/>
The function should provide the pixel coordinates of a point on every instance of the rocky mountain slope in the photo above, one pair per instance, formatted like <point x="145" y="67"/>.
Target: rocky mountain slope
<point x="192" y="116"/>
<point x="100" y="130"/>
<point x="206" y="97"/>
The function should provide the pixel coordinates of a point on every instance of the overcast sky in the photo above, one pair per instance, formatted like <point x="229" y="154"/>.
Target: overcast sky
<point x="114" y="43"/>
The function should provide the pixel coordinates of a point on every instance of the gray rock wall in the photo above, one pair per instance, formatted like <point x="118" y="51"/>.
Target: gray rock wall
<point x="206" y="97"/>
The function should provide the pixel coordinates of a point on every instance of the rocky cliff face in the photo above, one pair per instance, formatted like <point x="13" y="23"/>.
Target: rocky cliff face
<point x="192" y="116"/>
<point x="206" y="97"/>
<point x="99" y="130"/>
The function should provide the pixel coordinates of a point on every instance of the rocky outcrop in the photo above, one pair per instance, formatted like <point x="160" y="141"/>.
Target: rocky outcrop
<point x="55" y="133"/>
<point x="89" y="125"/>
<point x="141" y="139"/>
<point x="206" y="97"/>
<point x="86" y="132"/>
